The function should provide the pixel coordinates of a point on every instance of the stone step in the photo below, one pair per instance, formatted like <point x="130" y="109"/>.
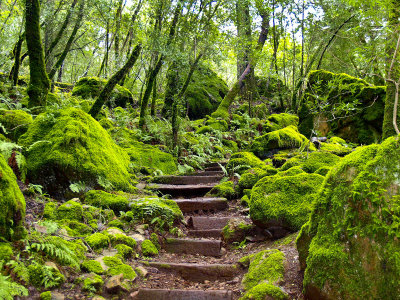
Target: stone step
<point x="199" y="272"/>
<point x="192" y="246"/>
<point x="192" y="190"/>
<point x="215" y="168"/>
<point x="215" y="164"/>
<point x="210" y="173"/>
<point x="204" y="223"/>
<point x="208" y="233"/>
<point x="164" y="294"/>
<point x="189" y="180"/>
<point x="196" y="205"/>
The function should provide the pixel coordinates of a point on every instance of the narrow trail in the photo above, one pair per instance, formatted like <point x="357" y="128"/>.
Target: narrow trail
<point x="198" y="266"/>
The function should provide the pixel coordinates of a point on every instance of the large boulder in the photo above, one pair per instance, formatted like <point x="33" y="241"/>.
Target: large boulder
<point x="91" y="87"/>
<point x="280" y="121"/>
<point x="204" y="93"/>
<point x="14" y="123"/>
<point x="350" y="247"/>
<point x="12" y="204"/>
<point x="284" y="201"/>
<point x="69" y="146"/>
<point x="344" y="106"/>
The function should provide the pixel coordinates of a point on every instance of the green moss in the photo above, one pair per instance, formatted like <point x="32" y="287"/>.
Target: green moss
<point x="225" y="190"/>
<point x="116" y="223"/>
<point x="70" y="210"/>
<point x="242" y="161"/>
<point x="75" y="228"/>
<point x="149" y="208"/>
<point x="148" y="248"/>
<point x="291" y="171"/>
<point x="6" y="252"/>
<point x="154" y="239"/>
<point x="250" y="177"/>
<point x="265" y="266"/>
<point x="236" y="231"/>
<point x="284" y="201"/>
<point x="90" y="87"/>
<point x="350" y="245"/>
<point x="69" y="146"/>
<point x="279" y="121"/>
<point x="336" y="146"/>
<point x="125" y="251"/>
<point x="330" y="96"/>
<point x="265" y="291"/>
<point x="204" y="93"/>
<point x="15" y="122"/>
<point x="12" y="204"/>
<point x="116" y="267"/>
<point x="217" y="124"/>
<point x="92" y="266"/>
<point x="312" y="162"/>
<point x="204" y="129"/>
<point x="45" y="295"/>
<point x="50" y="210"/>
<point x="93" y="283"/>
<point x="323" y="171"/>
<point x="98" y="241"/>
<point x="107" y="200"/>
<point x="286" y="138"/>
<point x="122" y="239"/>
<point x="231" y="145"/>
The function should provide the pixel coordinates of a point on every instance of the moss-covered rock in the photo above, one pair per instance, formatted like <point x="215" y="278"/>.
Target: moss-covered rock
<point x="116" y="202"/>
<point x="71" y="210"/>
<point x="327" y="93"/>
<point x="284" y="201"/>
<point x="279" y="121"/>
<point x="286" y="138"/>
<point x="217" y="124"/>
<point x="250" y="177"/>
<point x="90" y="87"/>
<point x="98" y="241"/>
<point x="124" y="251"/>
<point x="69" y="146"/>
<point x="266" y="270"/>
<point x="116" y="267"/>
<point x="312" y="162"/>
<point x="45" y="295"/>
<point x="92" y="283"/>
<point x="149" y="208"/>
<point x="38" y="274"/>
<point x="6" y="252"/>
<point x="336" y="146"/>
<point x="92" y="266"/>
<point x="236" y="230"/>
<point x="12" y="204"/>
<point x="15" y="122"/>
<point x="204" y="93"/>
<point x="240" y="162"/>
<point x="225" y="190"/>
<point x="122" y="239"/>
<point x="148" y="248"/>
<point x="350" y="247"/>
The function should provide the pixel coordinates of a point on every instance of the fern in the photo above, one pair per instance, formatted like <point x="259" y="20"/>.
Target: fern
<point x="57" y="249"/>
<point x="78" y="187"/>
<point x="104" y="183"/>
<point x="18" y="269"/>
<point x="37" y="143"/>
<point x="7" y="148"/>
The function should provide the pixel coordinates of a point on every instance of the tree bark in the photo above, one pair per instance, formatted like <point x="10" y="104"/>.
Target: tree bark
<point x="107" y="90"/>
<point x="71" y="39"/>
<point x="39" y="83"/>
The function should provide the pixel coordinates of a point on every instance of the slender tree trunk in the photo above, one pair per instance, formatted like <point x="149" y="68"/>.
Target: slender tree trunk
<point x="154" y="99"/>
<point x="39" y="83"/>
<point x="117" y="32"/>
<point x="17" y="60"/>
<point x="107" y="90"/>
<point x="71" y="39"/>
<point x="223" y="108"/>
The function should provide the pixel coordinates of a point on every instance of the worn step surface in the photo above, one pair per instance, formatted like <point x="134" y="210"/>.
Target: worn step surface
<point x="189" y="190"/>
<point x="204" y="247"/>
<point x="215" y="164"/>
<point x="207" y="233"/>
<point x="188" y="180"/>
<point x="203" y="223"/>
<point x="202" y="204"/>
<point x="209" y="173"/>
<point x="199" y="272"/>
<point x="164" y="294"/>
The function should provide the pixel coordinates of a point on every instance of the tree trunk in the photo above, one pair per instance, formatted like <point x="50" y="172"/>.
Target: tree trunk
<point x="154" y="99"/>
<point x="17" y="60"/>
<point x="171" y="90"/>
<point x="107" y="90"/>
<point x="39" y="83"/>
<point x="71" y="39"/>
<point x="117" y="32"/>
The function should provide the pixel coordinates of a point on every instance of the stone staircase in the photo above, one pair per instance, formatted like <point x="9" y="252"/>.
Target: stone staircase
<point x="198" y="256"/>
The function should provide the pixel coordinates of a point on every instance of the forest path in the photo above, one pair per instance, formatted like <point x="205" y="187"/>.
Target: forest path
<point x="199" y="266"/>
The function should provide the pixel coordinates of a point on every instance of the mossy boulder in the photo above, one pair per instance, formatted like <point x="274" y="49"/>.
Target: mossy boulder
<point x="12" y="204"/>
<point x="92" y="266"/>
<point x="71" y="210"/>
<point x="116" y="267"/>
<point x="286" y="138"/>
<point x="265" y="272"/>
<point x="236" y="230"/>
<point x="116" y="202"/>
<point x="124" y="251"/>
<point x="69" y="146"/>
<point x="148" y="248"/>
<point x="204" y="93"/>
<point x="312" y="162"/>
<point x="280" y="121"/>
<point x="350" y="247"/>
<point x="240" y="162"/>
<point x="336" y="146"/>
<point x="92" y="283"/>
<point x="342" y="105"/>
<point x="225" y="190"/>
<point x="147" y="209"/>
<point x="284" y="202"/>
<point x="98" y="241"/>
<point x="15" y="122"/>
<point x="217" y="124"/>
<point x="252" y="176"/>
<point x="90" y="87"/>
